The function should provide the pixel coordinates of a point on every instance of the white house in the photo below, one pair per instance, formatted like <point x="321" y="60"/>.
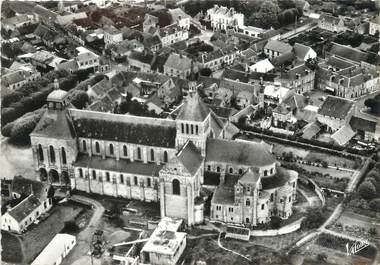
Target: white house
<point x="374" y="26"/>
<point x="222" y="17"/>
<point x="112" y="35"/>
<point x="58" y="248"/>
<point x="304" y="52"/>
<point x="275" y="93"/>
<point x="263" y="66"/>
<point x="18" y="218"/>
<point x="180" y="17"/>
<point x="87" y="59"/>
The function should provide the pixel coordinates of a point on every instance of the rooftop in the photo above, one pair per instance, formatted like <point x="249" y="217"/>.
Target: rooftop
<point x="335" y="107"/>
<point x="193" y="109"/>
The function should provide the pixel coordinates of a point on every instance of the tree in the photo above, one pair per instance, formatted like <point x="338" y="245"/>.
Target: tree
<point x="375" y="205"/>
<point x="267" y="15"/>
<point x="367" y="190"/>
<point x="275" y="222"/>
<point x="373" y="104"/>
<point x="205" y="72"/>
<point x="11" y="97"/>
<point x="80" y="99"/>
<point x="314" y="218"/>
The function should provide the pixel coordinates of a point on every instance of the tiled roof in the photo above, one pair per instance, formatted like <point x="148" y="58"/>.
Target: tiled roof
<point x="14" y="77"/>
<point x="190" y="157"/>
<point x="131" y="129"/>
<point x="351" y="53"/>
<point x="193" y="109"/>
<point x="22" y="185"/>
<point x="251" y="176"/>
<point x="301" y="50"/>
<point x="361" y="124"/>
<point x="178" y="62"/>
<point x="279" y="179"/>
<point x="121" y="165"/>
<point x="24" y="208"/>
<point x="343" y="135"/>
<point x="146" y="58"/>
<point x="223" y="195"/>
<point x="310" y="130"/>
<point x="335" y="107"/>
<point x="279" y="46"/>
<point x="238" y="152"/>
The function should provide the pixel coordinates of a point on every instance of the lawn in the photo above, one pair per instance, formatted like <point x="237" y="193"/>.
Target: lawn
<point x="340" y="174"/>
<point x="11" y="248"/>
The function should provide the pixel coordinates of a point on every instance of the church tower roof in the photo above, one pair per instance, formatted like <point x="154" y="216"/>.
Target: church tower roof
<point x="194" y="109"/>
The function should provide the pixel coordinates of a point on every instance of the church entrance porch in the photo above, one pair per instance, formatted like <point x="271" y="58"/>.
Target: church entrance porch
<point x="43" y="174"/>
<point x="54" y="177"/>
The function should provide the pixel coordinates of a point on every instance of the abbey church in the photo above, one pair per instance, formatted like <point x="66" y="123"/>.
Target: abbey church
<point x="166" y="160"/>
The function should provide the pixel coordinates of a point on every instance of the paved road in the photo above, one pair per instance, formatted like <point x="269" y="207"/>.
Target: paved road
<point x="84" y="237"/>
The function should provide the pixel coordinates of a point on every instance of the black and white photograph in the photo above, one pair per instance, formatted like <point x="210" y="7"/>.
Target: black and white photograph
<point x="190" y="132"/>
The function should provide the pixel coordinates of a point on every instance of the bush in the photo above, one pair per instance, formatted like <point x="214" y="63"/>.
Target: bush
<point x="79" y="99"/>
<point x="11" y="97"/>
<point x="7" y="129"/>
<point x="70" y="227"/>
<point x="9" y="114"/>
<point x="275" y="222"/>
<point x="367" y="190"/>
<point x="314" y="219"/>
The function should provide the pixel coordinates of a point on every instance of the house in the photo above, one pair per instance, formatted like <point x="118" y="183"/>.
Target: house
<point x="149" y="22"/>
<point x="125" y="47"/>
<point x="141" y="61"/>
<point x="87" y="59"/>
<point x="17" y="78"/>
<point x="180" y="17"/>
<point x="335" y="112"/>
<point x="13" y="23"/>
<point x="152" y="43"/>
<point x="300" y="78"/>
<point x="352" y="55"/>
<point x="263" y="66"/>
<point x="286" y="111"/>
<point x="303" y="52"/>
<point x="166" y="244"/>
<point x="331" y="23"/>
<point x="172" y="34"/>
<point x="367" y="130"/>
<point x="45" y="34"/>
<point x="57" y="249"/>
<point x="252" y="31"/>
<point x="33" y="201"/>
<point x="112" y="35"/>
<point x="69" y="18"/>
<point x="223" y="18"/>
<point x="99" y="89"/>
<point x="374" y="26"/>
<point x="275" y="48"/>
<point x="178" y="65"/>
<point x="275" y="94"/>
<point x="218" y="58"/>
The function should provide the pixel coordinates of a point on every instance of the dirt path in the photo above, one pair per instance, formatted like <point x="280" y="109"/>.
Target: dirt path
<point x="85" y="236"/>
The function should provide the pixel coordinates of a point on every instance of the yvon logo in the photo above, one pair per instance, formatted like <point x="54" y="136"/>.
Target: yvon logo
<point x="356" y="247"/>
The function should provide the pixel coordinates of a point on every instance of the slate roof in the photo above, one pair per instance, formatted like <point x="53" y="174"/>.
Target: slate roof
<point x="335" y="107"/>
<point x="361" y="124"/>
<point x="223" y="195"/>
<point x="131" y="129"/>
<point x="301" y="50"/>
<point x="351" y="53"/>
<point x="238" y="152"/>
<point x="45" y="33"/>
<point x="190" y="157"/>
<point x="121" y="165"/>
<point x="251" y="176"/>
<point x="193" y="109"/>
<point x="146" y="58"/>
<point x="278" y="46"/>
<point x="55" y="124"/>
<point x="24" y="208"/>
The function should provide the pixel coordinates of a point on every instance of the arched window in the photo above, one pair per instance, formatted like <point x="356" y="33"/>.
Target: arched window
<point x="108" y="179"/>
<point x="182" y="128"/>
<point x="265" y="172"/>
<point x="196" y="129"/>
<point x="165" y="156"/>
<point x="192" y="129"/>
<point x="262" y="206"/>
<point x="111" y="149"/>
<point x="84" y="145"/>
<point x="93" y="174"/>
<point x="52" y="154"/>
<point x="271" y="197"/>
<point x="209" y="168"/>
<point x="247" y="220"/>
<point x="138" y="153"/>
<point x="80" y="173"/>
<point x="135" y="180"/>
<point x="187" y="128"/>
<point x="97" y="147"/>
<point x="290" y="199"/>
<point x="149" y="182"/>
<point x="176" y="187"/>
<point x="121" y="179"/>
<point x="125" y="150"/>
<point x="40" y="153"/>
<point x="63" y="155"/>
<point x="247" y="202"/>
<point x="151" y="154"/>
<point x="231" y="170"/>
<point x="218" y="169"/>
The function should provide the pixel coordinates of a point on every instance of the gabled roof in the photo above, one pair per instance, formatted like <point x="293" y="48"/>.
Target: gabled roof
<point x="190" y="157"/>
<point x="146" y="58"/>
<point x="239" y="152"/>
<point x="278" y="46"/>
<point x="193" y="109"/>
<point x="335" y="107"/>
<point x="343" y="135"/>
<point x="178" y="62"/>
<point x="352" y="53"/>
<point x="24" y="208"/>
<point x="301" y="50"/>
<point x="26" y="186"/>
<point x="251" y="176"/>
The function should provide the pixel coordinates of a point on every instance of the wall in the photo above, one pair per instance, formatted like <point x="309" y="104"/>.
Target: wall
<point x="283" y="230"/>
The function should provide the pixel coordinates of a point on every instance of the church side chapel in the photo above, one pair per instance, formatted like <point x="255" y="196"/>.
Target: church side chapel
<point x="165" y="160"/>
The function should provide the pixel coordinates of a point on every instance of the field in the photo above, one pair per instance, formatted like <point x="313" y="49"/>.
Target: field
<point x="11" y="246"/>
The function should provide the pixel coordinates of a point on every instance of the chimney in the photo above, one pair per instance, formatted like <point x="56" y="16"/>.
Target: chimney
<point x="56" y="84"/>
